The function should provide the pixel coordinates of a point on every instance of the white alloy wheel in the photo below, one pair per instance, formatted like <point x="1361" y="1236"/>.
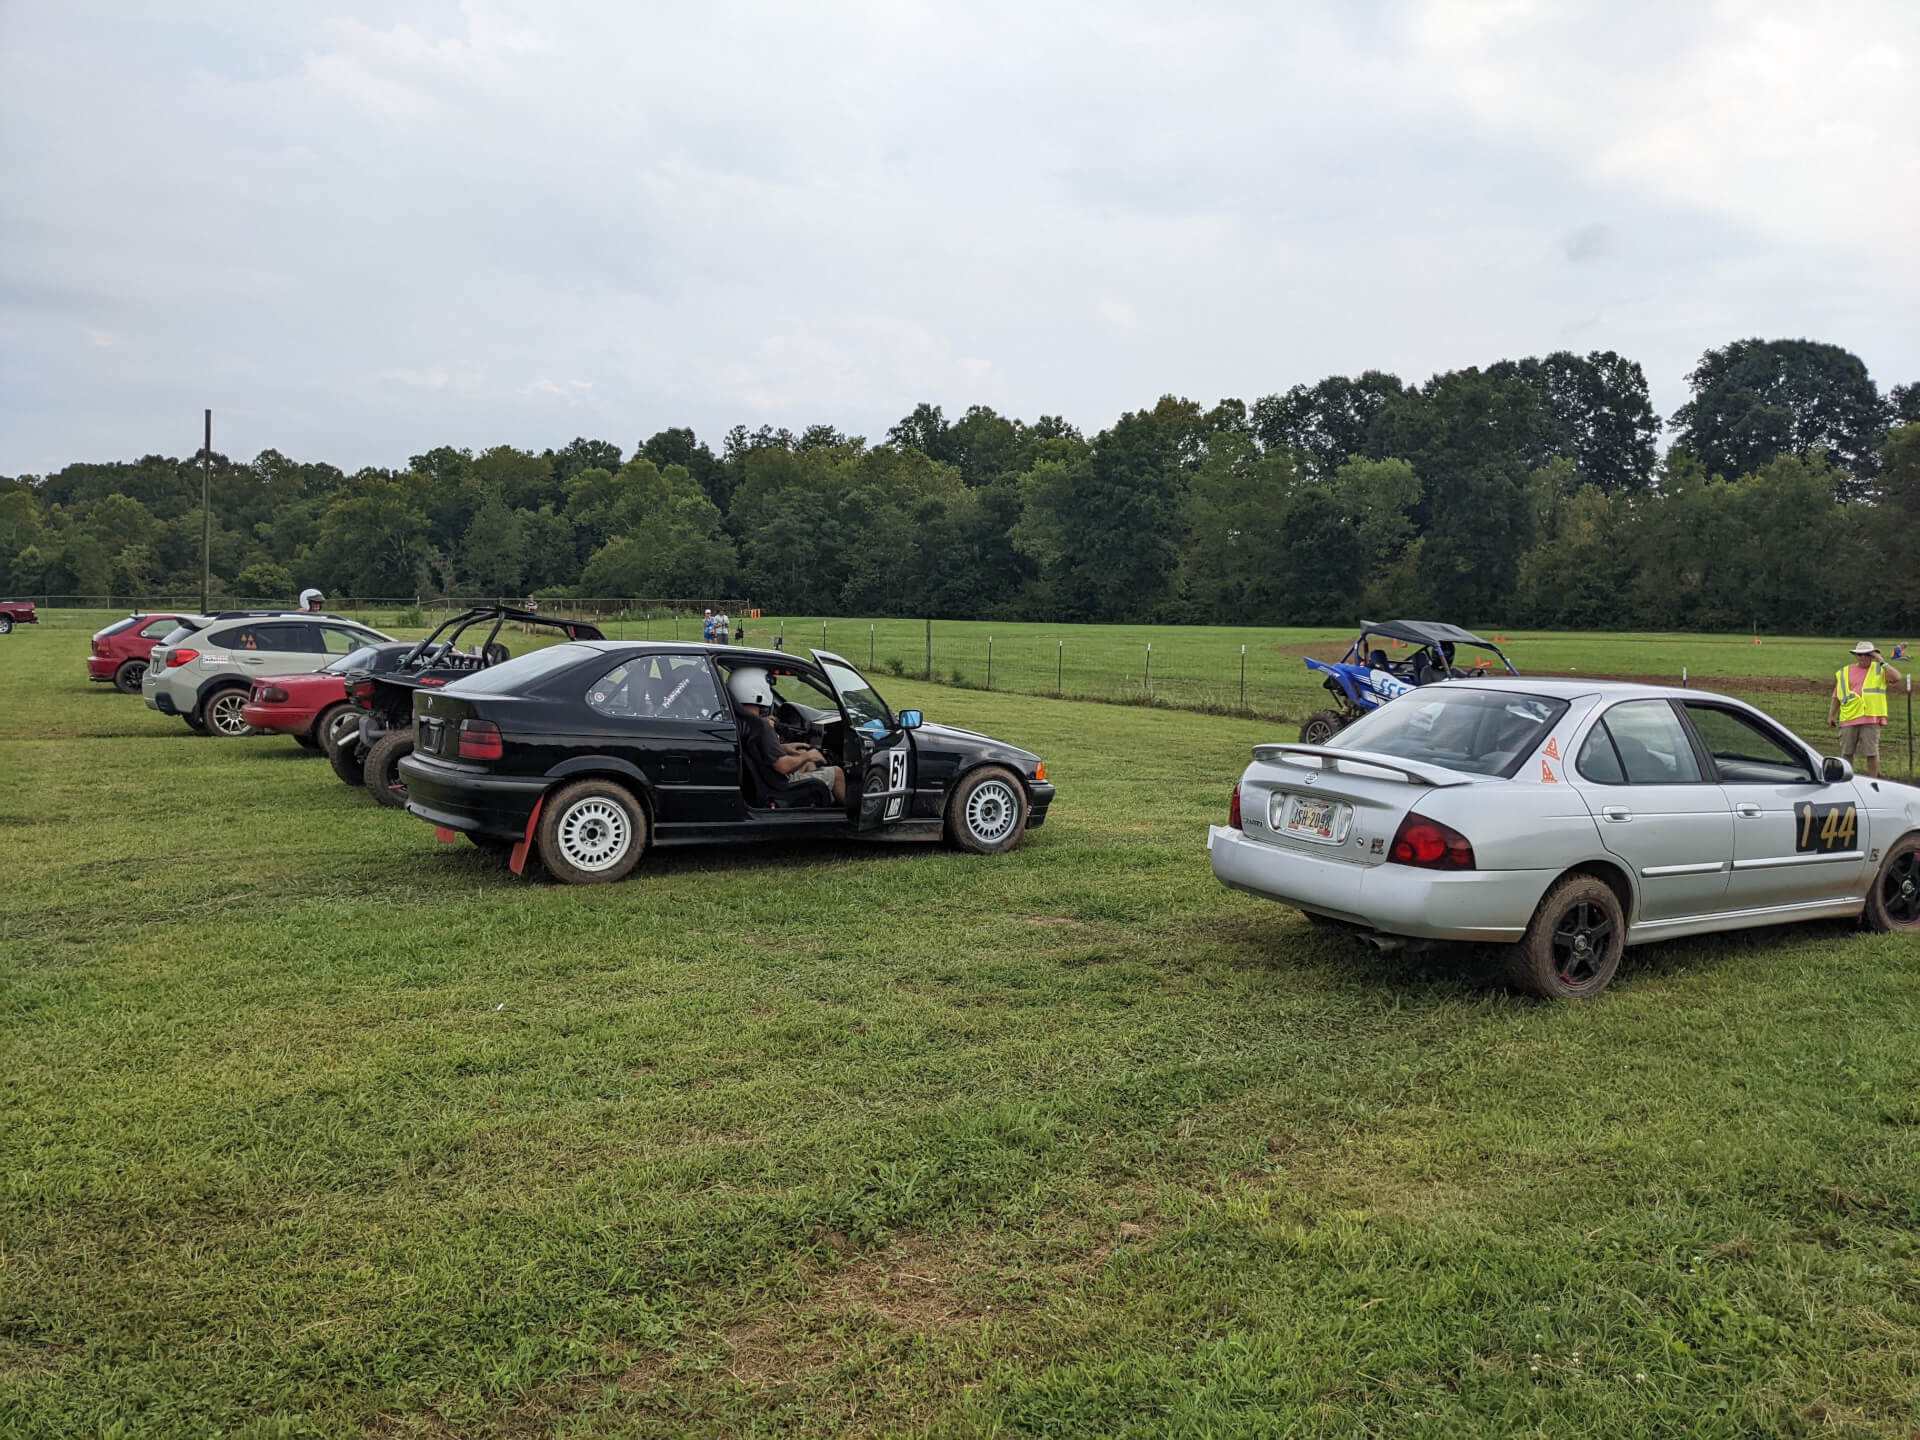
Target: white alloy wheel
<point x="6" y="624"/>
<point x="593" y="834"/>
<point x="222" y="713"/>
<point x="992" y="811"/>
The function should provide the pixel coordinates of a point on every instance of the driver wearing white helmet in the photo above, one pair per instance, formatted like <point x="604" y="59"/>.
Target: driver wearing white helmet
<point x="311" y="600"/>
<point x="789" y="774"/>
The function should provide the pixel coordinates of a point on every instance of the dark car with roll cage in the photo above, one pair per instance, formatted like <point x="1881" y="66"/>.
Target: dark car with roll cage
<point x="370" y="755"/>
<point x="589" y="753"/>
<point x="1368" y="676"/>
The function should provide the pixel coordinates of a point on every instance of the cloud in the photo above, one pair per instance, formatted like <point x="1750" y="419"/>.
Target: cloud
<point x="752" y="212"/>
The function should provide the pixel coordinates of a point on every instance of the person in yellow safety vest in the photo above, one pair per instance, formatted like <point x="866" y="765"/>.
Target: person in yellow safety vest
<point x="1859" y="705"/>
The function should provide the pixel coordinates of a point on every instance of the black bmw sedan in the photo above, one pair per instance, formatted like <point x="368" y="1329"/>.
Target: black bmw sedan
<point x="588" y="753"/>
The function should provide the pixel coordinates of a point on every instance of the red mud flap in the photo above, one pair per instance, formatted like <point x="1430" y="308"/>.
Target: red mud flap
<point x="517" y="862"/>
<point x="446" y="836"/>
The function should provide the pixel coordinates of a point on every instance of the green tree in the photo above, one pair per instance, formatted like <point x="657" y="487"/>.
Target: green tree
<point x="373" y="542"/>
<point x="265" y="580"/>
<point x="495" y="549"/>
<point x="1329" y="422"/>
<point x="1755" y="400"/>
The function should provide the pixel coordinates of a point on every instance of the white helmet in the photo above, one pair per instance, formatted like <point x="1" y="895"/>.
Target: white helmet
<point x="750" y="687"/>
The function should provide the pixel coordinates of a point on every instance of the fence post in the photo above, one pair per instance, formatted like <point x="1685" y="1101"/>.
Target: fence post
<point x="823" y="634"/>
<point x="1243" y="679"/>
<point x="1149" y="679"/>
<point x="1910" y="725"/>
<point x="1060" y="669"/>
<point x="869" y="645"/>
<point x="1683" y="677"/>
<point x="676" y="624"/>
<point x="989" y="662"/>
<point x="929" y="674"/>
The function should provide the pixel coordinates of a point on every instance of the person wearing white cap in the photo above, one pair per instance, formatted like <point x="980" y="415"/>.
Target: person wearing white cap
<point x="1859" y="705"/>
<point x="312" y="600"/>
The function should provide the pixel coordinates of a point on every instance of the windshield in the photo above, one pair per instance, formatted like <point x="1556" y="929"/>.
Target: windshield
<point x="366" y="657"/>
<point x="864" y="706"/>
<point x="1480" y="731"/>
<point x="521" y="673"/>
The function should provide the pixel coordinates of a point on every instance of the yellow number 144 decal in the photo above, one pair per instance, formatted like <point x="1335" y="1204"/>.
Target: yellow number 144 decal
<point x="1825" y="828"/>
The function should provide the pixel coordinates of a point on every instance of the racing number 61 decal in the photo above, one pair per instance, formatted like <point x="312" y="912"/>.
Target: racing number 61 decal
<point x="1824" y="829"/>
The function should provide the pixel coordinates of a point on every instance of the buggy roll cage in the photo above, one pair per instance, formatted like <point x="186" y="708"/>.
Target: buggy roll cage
<point x="459" y="624"/>
<point x="1431" y="634"/>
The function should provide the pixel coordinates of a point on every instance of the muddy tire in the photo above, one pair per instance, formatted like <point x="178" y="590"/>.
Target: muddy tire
<point x="349" y="762"/>
<point x="1572" y="949"/>
<point x="382" y="769"/>
<point x="220" y="713"/>
<point x="1320" y="727"/>
<point x="333" y="719"/>
<point x="1894" y="901"/>
<point x="987" y="811"/>
<point x="592" y="832"/>
<point x="128" y="677"/>
<point x="307" y="742"/>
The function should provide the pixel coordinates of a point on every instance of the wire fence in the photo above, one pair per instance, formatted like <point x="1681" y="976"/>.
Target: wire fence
<point x="428" y="604"/>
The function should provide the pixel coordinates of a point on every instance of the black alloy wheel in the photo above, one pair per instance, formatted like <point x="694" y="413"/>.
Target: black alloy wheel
<point x="1320" y="727"/>
<point x="128" y="677"/>
<point x="1894" y="901"/>
<point x="1580" y="942"/>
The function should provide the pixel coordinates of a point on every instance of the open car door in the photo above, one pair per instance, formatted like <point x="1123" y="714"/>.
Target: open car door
<point x="879" y="769"/>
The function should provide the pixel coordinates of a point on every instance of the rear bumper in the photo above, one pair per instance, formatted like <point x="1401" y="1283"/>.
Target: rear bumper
<point x="1477" y="905"/>
<point x="163" y="702"/>
<point x="278" y="719"/>
<point x="101" y="667"/>
<point x="473" y="803"/>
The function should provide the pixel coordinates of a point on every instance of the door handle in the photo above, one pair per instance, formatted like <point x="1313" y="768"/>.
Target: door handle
<point x="1748" y="809"/>
<point x="1616" y="812"/>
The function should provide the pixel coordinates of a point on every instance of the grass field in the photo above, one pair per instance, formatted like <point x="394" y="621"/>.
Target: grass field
<point x="311" y="1126"/>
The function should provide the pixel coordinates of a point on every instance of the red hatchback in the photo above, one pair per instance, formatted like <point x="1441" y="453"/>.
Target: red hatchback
<point x="120" y="651"/>
<point x="308" y="707"/>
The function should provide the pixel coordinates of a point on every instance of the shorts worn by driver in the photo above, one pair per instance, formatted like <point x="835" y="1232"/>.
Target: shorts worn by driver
<point x="1862" y="738"/>
<point x="797" y="785"/>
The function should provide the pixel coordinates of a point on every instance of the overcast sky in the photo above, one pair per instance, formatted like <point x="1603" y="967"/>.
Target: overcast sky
<point x="357" y="230"/>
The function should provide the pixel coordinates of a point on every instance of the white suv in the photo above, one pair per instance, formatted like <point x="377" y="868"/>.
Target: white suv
<point x="203" y="675"/>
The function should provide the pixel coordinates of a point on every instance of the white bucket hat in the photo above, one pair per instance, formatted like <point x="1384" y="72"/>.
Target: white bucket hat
<point x="1866" y="647"/>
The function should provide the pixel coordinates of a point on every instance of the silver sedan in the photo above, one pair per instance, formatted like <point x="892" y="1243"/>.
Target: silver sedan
<point x="1568" y="820"/>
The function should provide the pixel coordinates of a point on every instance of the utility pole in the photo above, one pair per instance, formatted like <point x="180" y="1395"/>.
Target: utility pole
<point x="206" y="520"/>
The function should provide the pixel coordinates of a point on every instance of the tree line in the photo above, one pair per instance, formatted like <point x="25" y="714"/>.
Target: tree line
<point x="1530" y="492"/>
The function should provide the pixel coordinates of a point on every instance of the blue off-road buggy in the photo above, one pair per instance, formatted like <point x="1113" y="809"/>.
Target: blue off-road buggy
<point x="1370" y="675"/>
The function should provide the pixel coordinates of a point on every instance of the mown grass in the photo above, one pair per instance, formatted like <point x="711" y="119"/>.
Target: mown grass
<point x="312" y="1126"/>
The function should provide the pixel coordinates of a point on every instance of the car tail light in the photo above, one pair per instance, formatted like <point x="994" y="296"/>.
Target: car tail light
<point x="269" y="694"/>
<point x="1429" y="845"/>
<point x="480" y="740"/>
<point x="1233" y="810"/>
<point x="361" y="693"/>
<point x="99" y="647"/>
<point x="177" y="658"/>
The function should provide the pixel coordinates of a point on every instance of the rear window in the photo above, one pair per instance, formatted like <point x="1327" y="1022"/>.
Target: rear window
<point x="178" y="633"/>
<point x="118" y="626"/>
<point x="521" y="673"/>
<point x="1477" y="730"/>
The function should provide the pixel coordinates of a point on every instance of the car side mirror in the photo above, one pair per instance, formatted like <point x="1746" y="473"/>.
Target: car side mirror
<point x="1835" y="771"/>
<point x="910" y="720"/>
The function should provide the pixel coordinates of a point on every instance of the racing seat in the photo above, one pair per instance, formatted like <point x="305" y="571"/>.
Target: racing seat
<point x="768" y="789"/>
<point x="1377" y="660"/>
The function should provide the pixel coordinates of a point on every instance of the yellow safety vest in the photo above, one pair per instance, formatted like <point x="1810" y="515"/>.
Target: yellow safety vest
<point x="1869" y="702"/>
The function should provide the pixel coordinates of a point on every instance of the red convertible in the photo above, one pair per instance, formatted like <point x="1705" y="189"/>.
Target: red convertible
<point x="309" y="707"/>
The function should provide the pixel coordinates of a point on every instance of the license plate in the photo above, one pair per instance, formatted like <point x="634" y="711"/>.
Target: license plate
<point x="430" y="732"/>
<point x="1313" y="818"/>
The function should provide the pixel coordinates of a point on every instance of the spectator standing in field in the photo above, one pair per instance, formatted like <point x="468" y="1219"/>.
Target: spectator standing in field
<point x="533" y="605"/>
<point x="1859" y="705"/>
<point x="722" y="628"/>
<point x="706" y="627"/>
<point x="311" y="600"/>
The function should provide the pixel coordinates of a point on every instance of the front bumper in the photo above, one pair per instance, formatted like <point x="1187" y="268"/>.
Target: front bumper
<point x="470" y="801"/>
<point x="1479" y="905"/>
<point x="1039" y="797"/>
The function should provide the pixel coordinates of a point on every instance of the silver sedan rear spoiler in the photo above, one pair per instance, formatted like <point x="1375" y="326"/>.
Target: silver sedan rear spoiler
<point x="1420" y="774"/>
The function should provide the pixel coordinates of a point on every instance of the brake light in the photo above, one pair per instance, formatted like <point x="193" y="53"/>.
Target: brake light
<point x="1233" y="809"/>
<point x="480" y="740"/>
<point x="271" y="694"/>
<point x="177" y="658"/>
<point x="361" y="693"/>
<point x="1430" y="845"/>
<point x="99" y="647"/>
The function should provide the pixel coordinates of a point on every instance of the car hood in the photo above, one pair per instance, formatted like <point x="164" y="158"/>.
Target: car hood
<point x="948" y="737"/>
